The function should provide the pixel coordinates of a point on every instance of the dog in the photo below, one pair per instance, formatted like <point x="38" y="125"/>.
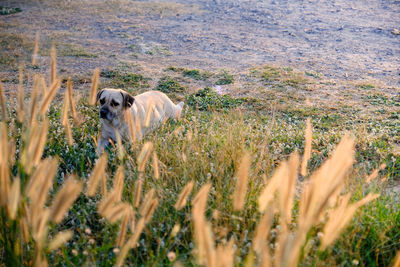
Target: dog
<point x="115" y="102"/>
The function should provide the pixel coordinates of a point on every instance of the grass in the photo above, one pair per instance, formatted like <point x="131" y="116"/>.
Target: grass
<point x="282" y="76"/>
<point x="123" y="79"/>
<point x="195" y="74"/>
<point x="228" y="150"/>
<point x="14" y="49"/>
<point x="208" y="99"/>
<point x="9" y="10"/>
<point x="224" y="78"/>
<point x="167" y="84"/>
<point x="75" y="51"/>
<point x="365" y="86"/>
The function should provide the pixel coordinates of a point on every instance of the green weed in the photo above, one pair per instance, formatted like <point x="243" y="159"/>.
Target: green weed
<point x="168" y="84"/>
<point x="208" y="99"/>
<point x="123" y="79"/>
<point x="224" y="78"/>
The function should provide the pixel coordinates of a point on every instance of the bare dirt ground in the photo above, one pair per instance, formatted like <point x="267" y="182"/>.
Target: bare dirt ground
<point x="343" y="42"/>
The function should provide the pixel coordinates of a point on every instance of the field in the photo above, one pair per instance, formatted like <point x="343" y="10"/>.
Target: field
<point x="268" y="166"/>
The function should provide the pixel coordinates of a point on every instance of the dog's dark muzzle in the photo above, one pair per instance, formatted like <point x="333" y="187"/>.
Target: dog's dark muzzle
<point x="104" y="112"/>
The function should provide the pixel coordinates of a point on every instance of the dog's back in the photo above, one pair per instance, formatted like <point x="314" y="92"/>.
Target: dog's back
<point x="152" y="108"/>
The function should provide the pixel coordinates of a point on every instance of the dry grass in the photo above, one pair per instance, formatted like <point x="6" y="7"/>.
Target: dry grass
<point x="95" y="84"/>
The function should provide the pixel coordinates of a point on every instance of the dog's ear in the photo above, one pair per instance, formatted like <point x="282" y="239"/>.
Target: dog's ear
<point x="127" y="99"/>
<point x="99" y="95"/>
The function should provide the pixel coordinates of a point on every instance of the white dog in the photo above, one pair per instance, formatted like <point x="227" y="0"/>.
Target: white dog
<point x="115" y="102"/>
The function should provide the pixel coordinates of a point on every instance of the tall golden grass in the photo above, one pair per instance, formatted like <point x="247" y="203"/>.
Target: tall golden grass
<point x="35" y="50"/>
<point x="3" y="106"/>
<point x="95" y="84"/>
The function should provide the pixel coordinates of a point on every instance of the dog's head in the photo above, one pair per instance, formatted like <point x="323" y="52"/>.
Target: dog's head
<point x="113" y="103"/>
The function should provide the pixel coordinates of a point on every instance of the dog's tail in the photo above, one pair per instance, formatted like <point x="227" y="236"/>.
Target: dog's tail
<point x="178" y="109"/>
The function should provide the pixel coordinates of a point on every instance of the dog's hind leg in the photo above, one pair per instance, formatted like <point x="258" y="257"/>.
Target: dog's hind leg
<point x="178" y="110"/>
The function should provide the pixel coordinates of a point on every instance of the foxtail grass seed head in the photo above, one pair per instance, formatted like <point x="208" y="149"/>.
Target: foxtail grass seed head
<point x="150" y="210"/>
<point x="13" y="198"/>
<point x="107" y="203"/>
<point x="268" y="193"/>
<point x="116" y="212"/>
<point x="60" y="239"/>
<point x="287" y="191"/>
<point x="155" y="166"/>
<point x="43" y="85"/>
<point x="375" y="173"/>
<point x="183" y="196"/>
<point x="122" y="230"/>
<point x="340" y="217"/>
<point x="64" y="199"/>
<point x="200" y="200"/>
<point x="35" y="50"/>
<point x="143" y="156"/>
<point x="95" y="84"/>
<point x="40" y="142"/>
<point x="49" y="96"/>
<point x="149" y="112"/>
<point x="260" y="240"/>
<point x="68" y="133"/>
<point x="307" y="148"/>
<point x="130" y="243"/>
<point x="96" y="175"/>
<point x="3" y="106"/>
<point x="34" y="98"/>
<point x="64" y="115"/>
<point x="21" y="95"/>
<point x="326" y="182"/>
<point x="43" y="188"/>
<point x="53" y="73"/>
<point x="131" y="125"/>
<point x="138" y="192"/>
<point x="119" y="182"/>
<point x="146" y="202"/>
<point x="121" y="151"/>
<point x="242" y="174"/>
<point x="40" y="231"/>
<point x="71" y="98"/>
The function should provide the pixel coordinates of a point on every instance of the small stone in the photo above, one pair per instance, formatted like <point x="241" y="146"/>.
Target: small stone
<point x="396" y="31"/>
<point x="171" y="256"/>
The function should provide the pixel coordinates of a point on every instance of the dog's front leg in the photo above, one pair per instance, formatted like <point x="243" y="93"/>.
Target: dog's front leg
<point x="102" y="142"/>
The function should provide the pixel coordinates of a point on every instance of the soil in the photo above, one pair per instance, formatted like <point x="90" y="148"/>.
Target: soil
<point x="340" y="39"/>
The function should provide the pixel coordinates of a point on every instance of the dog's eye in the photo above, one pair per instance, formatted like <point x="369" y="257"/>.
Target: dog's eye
<point x="114" y="104"/>
<point x="102" y="101"/>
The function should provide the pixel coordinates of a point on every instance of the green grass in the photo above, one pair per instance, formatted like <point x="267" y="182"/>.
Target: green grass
<point x="224" y="78"/>
<point x="208" y="99"/>
<point x="195" y="74"/>
<point x="75" y="51"/>
<point x="9" y="10"/>
<point x="365" y="86"/>
<point x="168" y="84"/>
<point x="123" y="79"/>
